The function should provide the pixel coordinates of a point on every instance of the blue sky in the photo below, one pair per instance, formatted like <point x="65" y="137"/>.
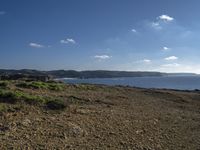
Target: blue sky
<point x="100" y="34"/>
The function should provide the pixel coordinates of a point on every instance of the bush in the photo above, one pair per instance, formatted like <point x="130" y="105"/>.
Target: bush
<point x="39" y="85"/>
<point x="3" y="108"/>
<point x="23" y="85"/>
<point x="34" y="85"/>
<point x="31" y="99"/>
<point x="8" y="96"/>
<point x="14" y="96"/>
<point x="4" y="84"/>
<point x="56" y="87"/>
<point x="56" y="104"/>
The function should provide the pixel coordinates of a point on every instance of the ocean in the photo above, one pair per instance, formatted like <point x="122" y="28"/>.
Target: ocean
<point x="167" y="82"/>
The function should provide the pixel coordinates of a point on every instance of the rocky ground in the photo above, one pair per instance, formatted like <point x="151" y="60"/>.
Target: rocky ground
<point x="103" y="117"/>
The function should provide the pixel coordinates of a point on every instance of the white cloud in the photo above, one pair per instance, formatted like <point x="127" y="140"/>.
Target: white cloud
<point x="147" y="61"/>
<point x="67" y="41"/>
<point x="166" y="18"/>
<point x="166" y="48"/>
<point x="171" y="58"/>
<point x="171" y="65"/>
<point x="36" y="45"/>
<point x="2" y="12"/>
<point x="102" y="57"/>
<point x="160" y="22"/>
<point x="134" y="30"/>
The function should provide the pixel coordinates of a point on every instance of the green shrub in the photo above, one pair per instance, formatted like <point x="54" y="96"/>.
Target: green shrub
<point x="4" y="84"/>
<point x="31" y="99"/>
<point x="23" y="85"/>
<point x="14" y="96"/>
<point x="34" y="85"/>
<point x="42" y="85"/>
<point x="39" y="85"/>
<point x="3" y="108"/>
<point x="8" y="96"/>
<point x="56" y="104"/>
<point x="56" y="87"/>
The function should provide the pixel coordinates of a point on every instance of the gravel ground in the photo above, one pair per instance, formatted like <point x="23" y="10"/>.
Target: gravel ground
<point x="103" y="117"/>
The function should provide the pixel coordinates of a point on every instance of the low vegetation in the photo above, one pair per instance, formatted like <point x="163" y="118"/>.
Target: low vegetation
<point x="4" y="84"/>
<point x="41" y="85"/>
<point x="16" y="95"/>
<point x="56" y="104"/>
<point x="3" y="108"/>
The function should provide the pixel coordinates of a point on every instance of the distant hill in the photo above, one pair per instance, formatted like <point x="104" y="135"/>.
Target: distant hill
<point x="81" y="74"/>
<point x="101" y="74"/>
<point x="23" y="71"/>
<point x="90" y="74"/>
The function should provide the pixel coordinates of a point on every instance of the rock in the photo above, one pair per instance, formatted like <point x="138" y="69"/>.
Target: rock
<point x="4" y="128"/>
<point x="26" y="122"/>
<point x="139" y="132"/>
<point x="38" y="119"/>
<point x="75" y="130"/>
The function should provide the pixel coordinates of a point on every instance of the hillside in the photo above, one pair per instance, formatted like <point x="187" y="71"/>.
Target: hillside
<point x="81" y="74"/>
<point x="41" y="115"/>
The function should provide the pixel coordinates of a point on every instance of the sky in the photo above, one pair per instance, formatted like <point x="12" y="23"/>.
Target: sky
<point x="126" y="35"/>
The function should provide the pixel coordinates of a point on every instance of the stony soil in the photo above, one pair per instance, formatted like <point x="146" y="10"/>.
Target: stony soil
<point x="103" y="117"/>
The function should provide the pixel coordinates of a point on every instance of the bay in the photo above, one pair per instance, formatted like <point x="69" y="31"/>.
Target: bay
<point x="166" y="82"/>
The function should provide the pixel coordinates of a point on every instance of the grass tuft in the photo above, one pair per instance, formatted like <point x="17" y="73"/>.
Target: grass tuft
<point x="3" y="108"/>
<point x="41" y="85"/>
